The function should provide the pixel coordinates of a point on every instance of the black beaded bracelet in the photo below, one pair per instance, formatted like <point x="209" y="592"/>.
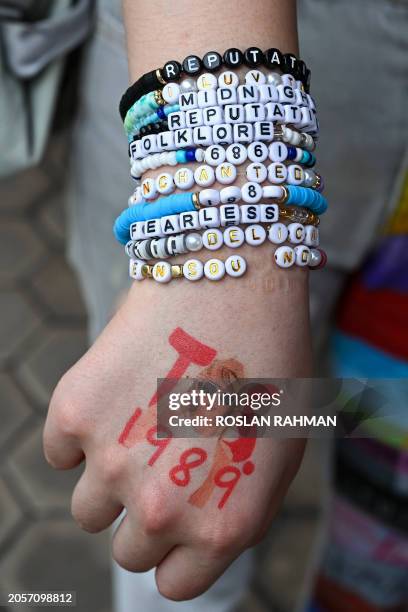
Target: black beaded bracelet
<point x="212" y="61"/>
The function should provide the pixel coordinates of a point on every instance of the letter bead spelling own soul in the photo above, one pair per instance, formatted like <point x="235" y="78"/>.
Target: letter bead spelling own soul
<point x="239" y="130"/>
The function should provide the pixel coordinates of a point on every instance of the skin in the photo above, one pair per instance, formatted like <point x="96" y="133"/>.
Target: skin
<point x="260" y="322"/>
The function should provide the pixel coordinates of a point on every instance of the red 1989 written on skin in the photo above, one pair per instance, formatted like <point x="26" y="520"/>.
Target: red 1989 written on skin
<point x="230" y="459"/>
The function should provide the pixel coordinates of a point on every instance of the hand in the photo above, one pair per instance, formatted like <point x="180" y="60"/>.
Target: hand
<point x="192" y="505"/>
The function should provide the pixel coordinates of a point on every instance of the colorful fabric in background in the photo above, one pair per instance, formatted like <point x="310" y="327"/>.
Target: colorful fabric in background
<point x="364" y="567"/>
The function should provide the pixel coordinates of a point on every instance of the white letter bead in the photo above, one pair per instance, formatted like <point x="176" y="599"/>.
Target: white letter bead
<point x="250" y="213"/>
<point x="234" y="237"/>
<point x="234" y="113"/>
<point x="302" y="255"/>
<point x="278" y="152"/>
<point x="212" y="239"/>
<point x="273" y="192"/>
<point x="193" y="269"/>
<point x="235" y="265"/>
<point x="255" y="234"/>
<point x="277" y="173"/>
<point x="202" y="135"/>
<point x="247" y="94"/>
<point x="222" y="134"/>
<point x="214" y="155"/>
<point x="236" y="154"/>
<point x="135" y="269"/>
<point x="187" y="100"/>
<point x="311" y="235"/>
<point x="293" y="114"/>
<point x="209" y="217"/>
<point x="255" y="77"/>
<point x="229" y="195"/>
<point x="286" y="94"/>
<point x="214" y="269"/>
<point x="256" y="172"/>
<point x="194" y="117"/>
<point x="170" y="224"/>
<point x="189" y="220"/>
<point x="165" y="183"/>
<point x="209" y="197"/>
<point x="226" y="95"/>
<point x="171" y="92"/>
<point x="263" y="130"/>
<point x="284" y="256"/>
<point x="212" y="115"/>
<point x="296" y="233"/>
<point x="268" y="93"/>
<point x="149" y="188"/>
<point x="307" y="117"/>
<point x="162" y="272"/>
<point x="165" y="140"/>
<point x="229" y="214"/>
<point x="288" y="79"/>
<point x="275" y="112"/>
<point x="137" y="230"/>
<point x="207" y="81"/>
<point x="226" y="173"/>
<point x="251" y="193"/>
<point x="268" y="212"/>
<point x="278" y="233"/>
<point x="228" y="79"/>
<point x="183" y="138"/>
<point x="243" y="132"/>
<point x="149" y="144"/>
<point x="204" y="176"/>
<point x="177" y="120"/>
<point x="184" y="178"/>
<point x="295" y="175"/>
<point x="257" y="151"/>
<point x="254" y="112"/>
<point x="207" y="98"/>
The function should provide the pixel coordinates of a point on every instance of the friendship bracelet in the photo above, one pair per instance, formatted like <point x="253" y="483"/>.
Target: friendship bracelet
<point x="213" y="239"/>
<point x="223" y="134"/>
<point x="212" y="62"/>
<point x="216" y="154"/>
<point x="226" y="173"/>
<point x="215" y="269"/>
<point x="215" y="217"/>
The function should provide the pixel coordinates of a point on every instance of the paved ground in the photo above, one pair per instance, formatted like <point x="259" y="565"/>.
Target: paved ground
<point x="42" y="332"/>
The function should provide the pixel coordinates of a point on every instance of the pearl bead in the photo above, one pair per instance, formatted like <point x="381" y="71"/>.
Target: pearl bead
<point x="318" y="258"/>
<point x="162" y="272"/>
<point x="193" y="269"/>
<point x="274" y="78"/>
<point x="214" y="269"/>
<point x="199" y="155"/>
<point x="309" y="178"/>
<point x="188" y="85"/>
<point x="194" y="242"/>
<point x="235" y="265"/>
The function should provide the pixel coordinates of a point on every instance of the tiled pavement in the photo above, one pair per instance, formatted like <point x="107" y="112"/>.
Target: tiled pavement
<point x="42" y="332"/>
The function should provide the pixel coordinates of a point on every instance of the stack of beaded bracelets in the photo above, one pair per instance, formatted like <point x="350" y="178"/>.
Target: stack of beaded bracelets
<point x="217" y="123"/>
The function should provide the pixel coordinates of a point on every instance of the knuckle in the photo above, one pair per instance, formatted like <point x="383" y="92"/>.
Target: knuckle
<point x="154" y="513"/>
<point x="225" y="540"/>
<point x="112" y="466"/>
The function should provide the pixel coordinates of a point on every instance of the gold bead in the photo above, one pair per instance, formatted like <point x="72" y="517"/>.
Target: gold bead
<point x="147" y="271"/>
<point x="159" y="77"/>
<point x="158" y="98"/>
<point x="177" y="271"/>
<point x="196" y="201"/>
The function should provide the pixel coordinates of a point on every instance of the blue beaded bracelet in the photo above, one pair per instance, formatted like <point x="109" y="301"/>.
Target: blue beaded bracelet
<point x="160" y="115"/>
<point x="307" y="198"/>
<point x="170" y="205"/>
